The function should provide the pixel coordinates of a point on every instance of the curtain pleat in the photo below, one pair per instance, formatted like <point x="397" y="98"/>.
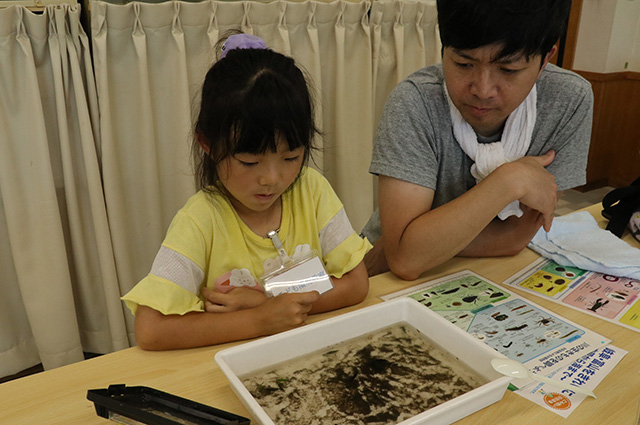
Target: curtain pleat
<point x="62" y="283"/>
<point x="405" y="39"/>
<point x="95" y="143"/>
<point x="348" y="104"/>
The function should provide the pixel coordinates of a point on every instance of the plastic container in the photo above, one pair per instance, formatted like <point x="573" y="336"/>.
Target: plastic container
<point x="248" y="358"/>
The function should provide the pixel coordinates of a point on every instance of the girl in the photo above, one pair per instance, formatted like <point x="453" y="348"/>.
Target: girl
<point x="253" y="139"/>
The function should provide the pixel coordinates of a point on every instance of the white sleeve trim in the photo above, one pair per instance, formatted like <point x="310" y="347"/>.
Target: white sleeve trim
<point x="178" y="269"/>
<point x="335" y="232"/>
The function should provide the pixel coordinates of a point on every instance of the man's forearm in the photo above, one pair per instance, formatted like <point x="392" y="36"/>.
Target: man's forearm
<point x="440" y="234"/>
<point x="504" y="238"/>
<point x="463" y="226"/>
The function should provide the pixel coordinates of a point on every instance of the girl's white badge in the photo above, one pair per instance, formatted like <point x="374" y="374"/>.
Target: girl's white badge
<point x="300" y="274"/>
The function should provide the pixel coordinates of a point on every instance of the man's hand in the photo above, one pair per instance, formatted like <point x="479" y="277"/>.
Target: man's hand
<point x="537" y="192"/>
<point x="535" y="186"/>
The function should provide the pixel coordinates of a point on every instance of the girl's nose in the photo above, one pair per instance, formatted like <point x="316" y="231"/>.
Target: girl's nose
<point x="483" y="86"/>
<point x="269" y="176"/>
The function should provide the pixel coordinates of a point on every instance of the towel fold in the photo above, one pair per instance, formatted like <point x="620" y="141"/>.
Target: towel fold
<point x="514" y="143"/>
<point x="576" y="240"/>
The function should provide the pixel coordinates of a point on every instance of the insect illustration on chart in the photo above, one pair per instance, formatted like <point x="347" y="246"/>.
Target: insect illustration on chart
<point x="552" y="279"/>
<point x="471" y="299"/>
<point x="459" y="300"/>
<point x="525" y="332"/>
<point x="597" y="304"/>
<point x="450" y="291"/>
<point x="463" y="294"/>
<point x="606" y="296"/>
<point x="618" y="296"/>
<point x="544" y="321"/>
<point x="569" y="334"/>
<point x="516" y="328"/>
<point x="499" y="317"/>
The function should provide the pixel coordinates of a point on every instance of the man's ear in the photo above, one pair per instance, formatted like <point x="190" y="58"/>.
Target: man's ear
<point x="547" y="58"/>
<point x="204" y="143"/>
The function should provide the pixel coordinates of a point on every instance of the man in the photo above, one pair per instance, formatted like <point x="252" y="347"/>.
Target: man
<point x="495" y="130"/>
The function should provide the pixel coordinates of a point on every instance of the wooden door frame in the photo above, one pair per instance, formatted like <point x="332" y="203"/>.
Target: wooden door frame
<point x="567" y="45"/>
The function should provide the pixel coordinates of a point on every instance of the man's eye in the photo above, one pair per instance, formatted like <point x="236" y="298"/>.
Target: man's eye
<point x="463" y="65"/>
<point x="510" y="71"/>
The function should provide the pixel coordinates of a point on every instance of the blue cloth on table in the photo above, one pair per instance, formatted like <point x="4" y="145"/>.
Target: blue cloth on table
<point x="577" y="240"/>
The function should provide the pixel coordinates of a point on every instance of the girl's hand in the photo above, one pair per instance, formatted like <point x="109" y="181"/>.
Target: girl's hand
<point x="286" y="311"/>
<point x="236" y="299"/>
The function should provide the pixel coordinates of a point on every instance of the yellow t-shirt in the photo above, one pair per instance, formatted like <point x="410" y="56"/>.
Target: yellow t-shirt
<point x="208" y="242"/>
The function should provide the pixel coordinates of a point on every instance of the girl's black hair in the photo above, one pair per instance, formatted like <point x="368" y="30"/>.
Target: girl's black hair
<point x="530" y="27"/>
<point x="251" y="99"/>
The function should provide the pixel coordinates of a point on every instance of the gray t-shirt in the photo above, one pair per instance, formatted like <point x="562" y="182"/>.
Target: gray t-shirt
<point x="415" y="143"/>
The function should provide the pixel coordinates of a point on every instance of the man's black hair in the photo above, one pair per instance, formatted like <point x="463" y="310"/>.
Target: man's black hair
<point x="529" y="27"/>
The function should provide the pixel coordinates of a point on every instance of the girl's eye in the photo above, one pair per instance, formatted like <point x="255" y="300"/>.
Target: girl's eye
<point x="292" y="158"/>
<point x="247" y="163"/>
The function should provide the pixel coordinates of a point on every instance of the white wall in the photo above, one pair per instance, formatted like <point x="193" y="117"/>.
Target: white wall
<point x="634" y="63"/>
<point x="608" y="36"/>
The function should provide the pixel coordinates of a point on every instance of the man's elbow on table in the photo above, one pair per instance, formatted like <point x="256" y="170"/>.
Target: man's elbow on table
<point x="404" y="269"/>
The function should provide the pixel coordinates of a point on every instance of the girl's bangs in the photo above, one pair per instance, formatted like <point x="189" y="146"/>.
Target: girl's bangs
<point x="272" y="124"/>
<point x="259" y="141"/>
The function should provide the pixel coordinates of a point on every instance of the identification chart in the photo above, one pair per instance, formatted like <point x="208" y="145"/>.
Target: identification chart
<point x="512" y="325"/>
<point x="615" y="299"/>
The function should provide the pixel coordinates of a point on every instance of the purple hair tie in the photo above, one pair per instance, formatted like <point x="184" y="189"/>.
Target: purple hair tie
<point x="242" y="41"/>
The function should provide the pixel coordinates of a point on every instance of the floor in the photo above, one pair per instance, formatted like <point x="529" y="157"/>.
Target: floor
<point x="570" y="201"/>
<point x="35" y="369"/>
<point x="30" y="371"/>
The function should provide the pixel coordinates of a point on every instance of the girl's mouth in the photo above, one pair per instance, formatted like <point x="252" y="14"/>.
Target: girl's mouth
<point x="265" y="196"/>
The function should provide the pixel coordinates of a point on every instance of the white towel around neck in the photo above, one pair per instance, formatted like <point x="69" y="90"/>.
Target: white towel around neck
<point x="516" y="138"/>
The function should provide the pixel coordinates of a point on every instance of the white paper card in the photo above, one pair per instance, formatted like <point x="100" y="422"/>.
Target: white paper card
<point x="306" y="276"/>
<point x="586" y="372"/>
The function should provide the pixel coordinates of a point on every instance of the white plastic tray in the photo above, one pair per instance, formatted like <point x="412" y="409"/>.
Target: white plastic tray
<point x="257" y="355"/>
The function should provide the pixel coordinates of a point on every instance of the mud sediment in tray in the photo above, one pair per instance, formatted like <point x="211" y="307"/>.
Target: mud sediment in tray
<point x="383" y="377"/>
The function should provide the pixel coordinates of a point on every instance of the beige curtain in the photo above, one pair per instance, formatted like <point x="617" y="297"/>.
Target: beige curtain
<point x="58" y="282"/>
<point x="404" y="39"/>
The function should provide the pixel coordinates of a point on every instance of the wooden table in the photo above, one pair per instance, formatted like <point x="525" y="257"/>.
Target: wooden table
<point x="59" y="396"/>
